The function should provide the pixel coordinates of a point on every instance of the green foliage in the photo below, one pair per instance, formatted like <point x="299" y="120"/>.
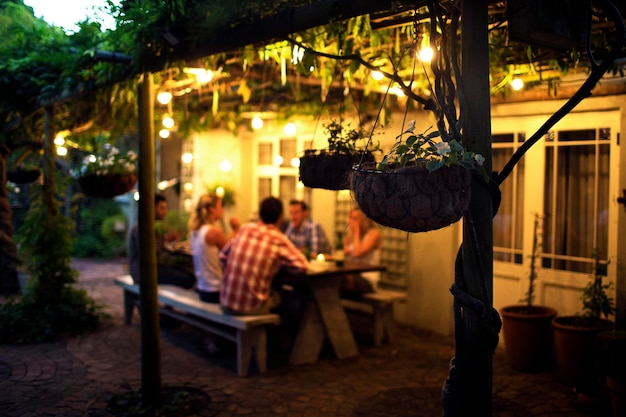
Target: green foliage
<point x="175" y="220"/>
<point x="50" y="307"/>
<point x="94" y="238"/>
<point x="596" y="302"/>
<point x="534" y="256"/>
<point x="113" y="232"/>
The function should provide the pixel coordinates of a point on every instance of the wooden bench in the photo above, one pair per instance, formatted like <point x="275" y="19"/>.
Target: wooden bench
<point x="378" y="305"/>
<point x="248" y="332"/>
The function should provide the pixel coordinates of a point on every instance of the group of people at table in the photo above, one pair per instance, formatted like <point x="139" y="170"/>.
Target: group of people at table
<point x="237" y="269"/>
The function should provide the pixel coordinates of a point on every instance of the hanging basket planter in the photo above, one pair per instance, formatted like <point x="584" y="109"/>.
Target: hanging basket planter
<point x="107" y="185"/>
<point x="411" y="198"/>
<point x="330" y="171"/>
<point x="23" y="176"/>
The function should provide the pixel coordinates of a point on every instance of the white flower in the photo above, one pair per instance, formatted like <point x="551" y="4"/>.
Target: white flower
<point x="443" y="148"/>
<point x="411" y="127"/>
<point x="111" y="162"/>
<point x="479" y="158"/>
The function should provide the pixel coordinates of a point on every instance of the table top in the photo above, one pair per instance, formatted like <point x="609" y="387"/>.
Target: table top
<point x="331" y="269"/>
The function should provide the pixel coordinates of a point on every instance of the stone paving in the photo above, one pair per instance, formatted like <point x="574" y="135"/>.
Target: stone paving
<point x="77" y="377"/>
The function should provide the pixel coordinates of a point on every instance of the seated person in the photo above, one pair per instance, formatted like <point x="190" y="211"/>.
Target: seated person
<point x="251" y="260"/>
<point x="306" y="234"/>
<point x="207" y="239"/>
<point x="361" y="244"/>
<point x="166" y="273"/>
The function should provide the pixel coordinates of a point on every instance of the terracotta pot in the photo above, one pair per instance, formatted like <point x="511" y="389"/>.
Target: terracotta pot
<point x="617" y="389"/>
<point x="411" y="198"/>
<point x="575" y="347"/>
<point x="108" y="185"/>
<point x="528" y="336"/>
<point x="330" y="171"/>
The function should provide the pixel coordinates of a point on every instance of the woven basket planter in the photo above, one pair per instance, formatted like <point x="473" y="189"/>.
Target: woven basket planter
<point x="23" y="176"/>
<point x="330" y="171"/>
<point x="108" y="185"/>
<point x="411" y="198"/>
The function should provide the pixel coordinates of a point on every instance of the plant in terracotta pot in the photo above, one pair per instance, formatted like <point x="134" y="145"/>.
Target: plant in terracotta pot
<point x="329" y="168"/>
<point x="527" y="327"/>
<point x="575" y="337"/>
<point x="107" y="175"/>
<point x="420" y="185"/>
<point x="24" y="168"/>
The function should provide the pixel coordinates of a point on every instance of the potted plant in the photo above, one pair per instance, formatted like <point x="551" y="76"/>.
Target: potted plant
<point x="329" y="168"/>
<point x="24" y="169"/>
<point x="527" y="327"/>
<point x="575" y="336"/>
<point x="420" y="185"/>
<point x="109" y="174"/>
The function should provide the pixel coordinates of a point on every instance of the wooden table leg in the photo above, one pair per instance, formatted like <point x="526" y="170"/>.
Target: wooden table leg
<point x="308" y="343"/>
<point x="326" y="293"/>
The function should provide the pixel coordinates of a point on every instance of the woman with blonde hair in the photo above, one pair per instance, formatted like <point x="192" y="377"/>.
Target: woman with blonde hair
<point x="207" y="239"/>
<point x="361" y="244"/>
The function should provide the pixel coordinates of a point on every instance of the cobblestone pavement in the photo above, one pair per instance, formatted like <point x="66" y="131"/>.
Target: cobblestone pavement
<point x="77" y="377"/>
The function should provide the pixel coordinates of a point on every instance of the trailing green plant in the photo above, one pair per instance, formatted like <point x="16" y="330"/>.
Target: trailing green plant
<point x="343" y="139"/>
<point x="532" y="275"/>
<point x="50" y="307"/>
<point x="597" y="303"/>
<point x="413" y="148"/>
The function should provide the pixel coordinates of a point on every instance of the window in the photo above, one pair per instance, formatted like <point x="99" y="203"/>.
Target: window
<point x="509" y="221"/>
<point x="576" y="198"/>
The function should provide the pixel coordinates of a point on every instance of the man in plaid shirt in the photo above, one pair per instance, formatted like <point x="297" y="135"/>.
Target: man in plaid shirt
<point x="253" y="257"/>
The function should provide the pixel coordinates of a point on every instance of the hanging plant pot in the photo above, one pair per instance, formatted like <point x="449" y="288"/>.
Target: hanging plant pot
<point x="330" y="170"/>
<point x="411" y="198"/>
<point x="107" y="185"/>
<point x="23" y="176"/>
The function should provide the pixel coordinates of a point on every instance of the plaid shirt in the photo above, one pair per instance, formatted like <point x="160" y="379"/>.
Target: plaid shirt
<point x="251" y="260"/>
<point x="310" y="236"/>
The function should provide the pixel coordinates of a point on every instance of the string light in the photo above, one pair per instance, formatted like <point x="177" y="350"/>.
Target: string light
<point x="164" y="97"/>
<point x="168" y="122"/>
<point x="517" y="84"/>
<point x="225" y="166"/>
<point x="377" y="75"/>
<point x="187" y="158"/>
<point x="290" y="129"/>
<point x="257" y="123"/>
<point x="164" y="133"/>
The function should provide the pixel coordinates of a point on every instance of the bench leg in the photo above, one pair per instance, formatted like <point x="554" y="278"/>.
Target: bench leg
<point x="383" y="319"/>
<point x="130" y="300"/>
<point x="251" y="342"/>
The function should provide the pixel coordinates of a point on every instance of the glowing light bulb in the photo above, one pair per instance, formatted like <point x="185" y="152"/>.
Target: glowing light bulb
<point x="377" y="75"/>
<point x="164" y="133"/>
<point x="517" y="84"/>
<point x="168" y="122"/>
<point x="219" y="191"/>
<point x="61" y="150"/>
<point x="164" y="97"/>
<point x="295" y="162"/>
<point x="290" y="129"/>
<point x="187" y="157"/>
<point x="188" y="187"/>
<point x="59" y="141"/>
<point x="257" y="123"/>
<point x="278" y="160"/>
<point x="425" y="54"/>
<point x="225" y="166"/>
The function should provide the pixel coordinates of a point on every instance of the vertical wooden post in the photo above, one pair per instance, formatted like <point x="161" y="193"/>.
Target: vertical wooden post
<point x="150" y="336"/>
<point x="49" y="157"/>
<point x="475" y="363"/>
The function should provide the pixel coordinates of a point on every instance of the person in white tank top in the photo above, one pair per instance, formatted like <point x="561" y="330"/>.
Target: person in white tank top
<point x="361" y="244"/>
<point x="207" y="239"/>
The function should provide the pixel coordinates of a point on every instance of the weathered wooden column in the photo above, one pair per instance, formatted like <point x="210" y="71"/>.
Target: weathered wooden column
<point x="150" y="336"/>
<point x="474" y="360"/>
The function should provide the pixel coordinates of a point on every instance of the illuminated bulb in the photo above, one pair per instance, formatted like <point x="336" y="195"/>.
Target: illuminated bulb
<point x="168" y="122"/>
<point x="257" y="123"/>
<point x="164" y="97"/>
<point x="377" y="75"/>
<point x="425" y="54"/>
<point x="225" y="166"/>
<point x="187" y="158"/>
<point x="278" y="160"/>
<point x="162" y="185"/>
<point x="219" y="191"/>
<point x="396" y="91"/>
<point x="290" y="129"/>
<point x="320" y="257"/>
<point x="188" y="187"/>
<point x="61" y="150"/>
<point x="204" y="77"/>
<point x="164" y="133"/>
<point x="59" y="141"/>
<point x="300" y="185"/>
<point x="517" y="84"/>
<point x="295" y="162"/>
